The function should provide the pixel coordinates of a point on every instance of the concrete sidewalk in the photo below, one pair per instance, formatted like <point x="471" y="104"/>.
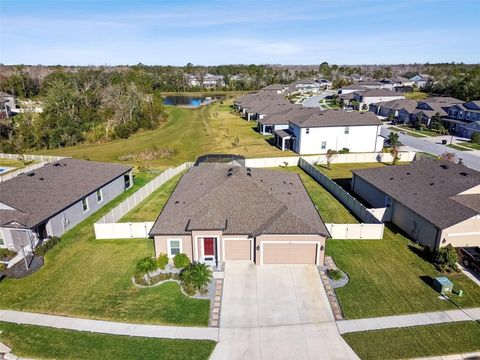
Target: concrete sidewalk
<point x="398" y="321"/>
<point x="109" y="327"/>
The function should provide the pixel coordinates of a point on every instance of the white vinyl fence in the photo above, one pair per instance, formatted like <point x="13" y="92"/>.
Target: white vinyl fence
<point x="371" y="228"/>
<point x="108" y="226"/>
<point x="355" y="231"/>
<point x="42" y="160"/>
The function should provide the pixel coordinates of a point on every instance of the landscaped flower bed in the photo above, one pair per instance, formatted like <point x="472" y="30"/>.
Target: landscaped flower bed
<point x="194" y="278"/>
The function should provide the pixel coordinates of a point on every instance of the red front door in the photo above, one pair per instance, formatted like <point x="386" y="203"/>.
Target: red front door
<point x="208" y="247"/>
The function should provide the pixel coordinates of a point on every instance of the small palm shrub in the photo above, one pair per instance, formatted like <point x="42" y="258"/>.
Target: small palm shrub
<point x="181" y="261"/>
<point x="162" y="261"/>
<point x="195" y="278"/>
<point x="334" y="274"/>
<point x="146" y="265"/>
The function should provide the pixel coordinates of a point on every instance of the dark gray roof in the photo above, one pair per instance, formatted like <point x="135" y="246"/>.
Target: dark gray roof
<point x="399" y="104"/>
<point x="273" y="87"/>
<point x="335" y="117"/>
<point x="429" y="188"/>
<point x="283" y="133"/>
<point x="298" y="113"/>
<point x="239" y="200"/>
<point x="44" y="192"/>
<point x="380" y="93"/>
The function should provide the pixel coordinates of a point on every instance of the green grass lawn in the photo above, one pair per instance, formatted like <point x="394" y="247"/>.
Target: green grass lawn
<point x="49" y="343"/>
<point x="331" y="210"/>
<point x="190" y="132"/>
<point x="12" y="163"/>
<point x="149" y="208"/>
<point x="418" y="341"/>
<point x="425" y="132"/>
<point x="411" y="133"/>
<point x="470" y="145"/>
<point x="415" y="95"/>
<point x="91" y="278"/>
<point x="456" y="147"/>
<point x="387" y="277"/>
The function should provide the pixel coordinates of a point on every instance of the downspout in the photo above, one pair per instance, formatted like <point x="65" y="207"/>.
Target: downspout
<point x="437" y="240"/>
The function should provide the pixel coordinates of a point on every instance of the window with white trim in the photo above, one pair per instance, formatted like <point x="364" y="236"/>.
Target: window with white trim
<point x="174" y="247"/>
<point x="2" y="239"/>
<point x="324" y="145"/>
<point x="85" y="204"/>
<point x="99" y="195"/>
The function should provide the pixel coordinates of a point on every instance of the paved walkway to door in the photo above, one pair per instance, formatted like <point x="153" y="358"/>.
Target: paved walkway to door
<point x="398" y="321"/>
<point x="109" y="327"/>
<point x="277" y="312"/>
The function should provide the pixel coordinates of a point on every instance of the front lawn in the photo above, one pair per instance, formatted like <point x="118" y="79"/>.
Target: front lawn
<point x="415" y="95"/>
<point x="460" y="148"/>
<point x="405" y="131"/>
<point x="49" y="343"/>
<point x="417" y="341"/>
<point x="425" y="132"/>
<point x="91" y="278"/>
<point x="387" y="277"/>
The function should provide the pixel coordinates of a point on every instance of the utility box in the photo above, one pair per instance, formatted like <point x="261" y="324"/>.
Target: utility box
<point x="442" y="285"/>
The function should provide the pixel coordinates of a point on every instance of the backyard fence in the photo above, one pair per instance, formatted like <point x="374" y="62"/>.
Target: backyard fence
<point x="371" y="228"/>
<point x="108" y="226"/>
<point x="356" y="231"/>
<point x="42" y="160"/>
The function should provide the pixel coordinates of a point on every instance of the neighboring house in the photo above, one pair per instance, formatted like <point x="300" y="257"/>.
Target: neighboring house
<point x="7" y="104"/>
<point x="393" y="107"/>
<point x="324" y="84"/>
<point x="421" y="80"/>
<point x="464" y="118"/>
<point x="219" y="213"/>
<point x="208" y="81"/>
<point x="435" y="202"/>
<point x="275" y="88"/>
<point x="350" y="89"/>
<point x="52" y="199"/>
<point x="303" y="86"/>
<point x="428" y="108"/>
<point x="363" y="99"/>
<point x="331" y="130"/>
<point x="280" y="121"/>
<point x="399" y="84"/>
<point x="371" y="84"/>
<point x="466" y="130"/>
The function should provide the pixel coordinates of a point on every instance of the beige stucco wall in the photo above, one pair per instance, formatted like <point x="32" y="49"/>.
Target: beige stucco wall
<point x="465" y="233"/>
<point x="161" y="244"/>
<point x="289" y="238"/>
<point x="196" y="235"/>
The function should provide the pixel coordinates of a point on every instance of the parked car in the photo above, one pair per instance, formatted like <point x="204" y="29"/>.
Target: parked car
<point x="470" y="257"/>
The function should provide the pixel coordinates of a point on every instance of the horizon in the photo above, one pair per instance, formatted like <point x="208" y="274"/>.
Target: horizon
<point x="213" y="33"/>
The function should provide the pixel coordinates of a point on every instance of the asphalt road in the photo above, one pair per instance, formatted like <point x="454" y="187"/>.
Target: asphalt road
<point x="470" y="158"/>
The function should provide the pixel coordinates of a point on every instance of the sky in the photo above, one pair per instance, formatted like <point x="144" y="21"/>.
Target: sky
<point x="121" y="32"/>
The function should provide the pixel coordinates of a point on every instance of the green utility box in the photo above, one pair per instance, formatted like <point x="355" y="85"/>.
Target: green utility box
<point x="442" y="285"/>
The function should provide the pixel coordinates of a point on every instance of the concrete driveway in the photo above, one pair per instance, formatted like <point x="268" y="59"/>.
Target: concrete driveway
<point x="277" y="312"/>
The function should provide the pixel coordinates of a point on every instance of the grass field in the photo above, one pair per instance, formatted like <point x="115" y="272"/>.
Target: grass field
<point x="411" y="133"/>
<point x="92" y="278"/>
<point x="415" y="95"/>
<point x="49" y="343"/>
<point x="149" y="208"/>
<point x="470" y="145"/>
<point x="387" y="277"/>
<point x="190" y="133"/>
<point x="460" y="148"/>
<point x="425" y="132"/>
<point x="418" y="341"/>
<point x="12" y="163"/>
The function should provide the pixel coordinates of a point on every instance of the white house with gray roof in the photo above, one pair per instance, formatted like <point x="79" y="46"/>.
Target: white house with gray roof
<point x="52" y="199"/>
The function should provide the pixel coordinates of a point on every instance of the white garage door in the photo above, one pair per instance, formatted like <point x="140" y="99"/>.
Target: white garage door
<point x="290" y="253"/>
<point x="237" y="249"/>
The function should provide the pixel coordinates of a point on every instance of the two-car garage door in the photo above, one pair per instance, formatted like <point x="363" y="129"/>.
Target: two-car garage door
<point x="289" y="253"/>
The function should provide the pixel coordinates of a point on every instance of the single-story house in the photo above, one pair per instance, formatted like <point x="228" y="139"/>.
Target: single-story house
<point x="350" y="89"/>
<point x="331" y="130"/>
<point x="302" y="86"/>
<point x="324" y="84"/>
<point x="435" y="202"/>
<point x="363" y="99"/>
<point x="222" y="213"/>
<point x="52" y="199"/>
<point x="274" y="88"/>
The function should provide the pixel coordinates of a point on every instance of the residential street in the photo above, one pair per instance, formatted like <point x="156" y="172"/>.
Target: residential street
<point x="470" y="158"/>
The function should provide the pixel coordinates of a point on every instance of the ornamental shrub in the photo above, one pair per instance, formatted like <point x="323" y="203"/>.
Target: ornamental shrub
<point x="47" y="245"/>
<point x="146" y="265"/>
<point x="181" y="261"/>
<point x="195" y="278"/>
<point x="446" y="259"/>
<point x="162" y="261"/>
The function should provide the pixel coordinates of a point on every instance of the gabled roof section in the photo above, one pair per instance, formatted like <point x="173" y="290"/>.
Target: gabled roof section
<point x="239" y="200"/>
<point x="332" y="118"/>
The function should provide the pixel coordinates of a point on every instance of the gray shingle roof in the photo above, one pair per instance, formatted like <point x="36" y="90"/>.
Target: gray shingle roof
<point x="217" y="198"/>
<point x="379" y="93"/>
<point x="298" y="113"/>
<point x="399" y="104"/>
<point x="335" y="117"/>
<point x="44" y="192"/>
<point x="429" y="188"/>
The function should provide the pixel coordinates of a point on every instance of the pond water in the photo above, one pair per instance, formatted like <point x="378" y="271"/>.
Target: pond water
<point x="190" y="101"/>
